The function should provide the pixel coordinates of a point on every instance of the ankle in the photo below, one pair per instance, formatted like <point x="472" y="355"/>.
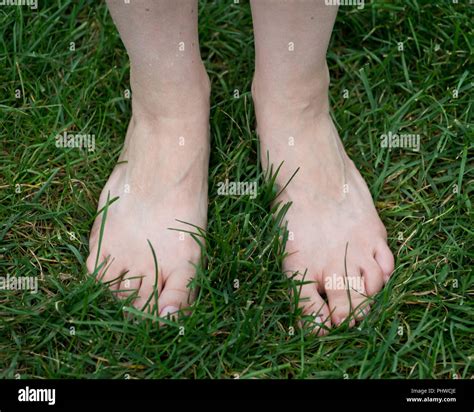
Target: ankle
<point x="171" y="94"/>
<point x="308" y="91"/>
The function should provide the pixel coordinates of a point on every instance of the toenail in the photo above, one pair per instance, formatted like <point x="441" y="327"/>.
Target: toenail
<point x="318" y="319"/>
<point x="168" y="310"/>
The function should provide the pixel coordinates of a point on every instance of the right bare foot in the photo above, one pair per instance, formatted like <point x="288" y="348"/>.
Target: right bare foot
<point x="161" y="178"/>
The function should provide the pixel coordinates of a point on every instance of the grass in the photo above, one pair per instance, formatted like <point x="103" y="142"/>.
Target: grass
<point x="421" y="325"/>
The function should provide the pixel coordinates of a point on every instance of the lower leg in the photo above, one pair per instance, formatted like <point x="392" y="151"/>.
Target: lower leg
<point x="331" y="205"/>
<point x="162" y="176"/>
<point x="161" y="38"/>
<point x="291" y="40"/>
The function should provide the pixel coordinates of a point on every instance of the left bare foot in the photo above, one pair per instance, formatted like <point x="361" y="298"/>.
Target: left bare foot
<point x="331" y="207"/>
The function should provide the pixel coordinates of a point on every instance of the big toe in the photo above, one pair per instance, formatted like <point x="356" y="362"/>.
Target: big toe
<point x="176" y="294"/>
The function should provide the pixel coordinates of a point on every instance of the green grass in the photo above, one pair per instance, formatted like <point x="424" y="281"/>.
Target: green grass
<point x="422" y="323"/>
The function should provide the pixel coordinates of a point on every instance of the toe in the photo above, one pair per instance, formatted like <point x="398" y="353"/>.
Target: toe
<point x="129" y="285"/>
<point x="373" y="276"/>
<point x="150" y="290"/>
<point x="176" y="293"/>
<point x="111" y="274"/>
<point x="95" y="230"/>
<point x="95" y="261"/>
<point x="102" y="267"/>
<point x="384" y="258"/>
<point x="346" y="295"/>
<point x="314" y="307"/>
<point x="91" y="262"/>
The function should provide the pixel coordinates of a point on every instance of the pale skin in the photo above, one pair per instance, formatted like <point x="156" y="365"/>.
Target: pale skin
<point x="332" y="210"/>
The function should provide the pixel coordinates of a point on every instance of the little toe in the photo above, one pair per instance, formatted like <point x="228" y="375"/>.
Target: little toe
<point x="92" y="260"/>
<point x="373" y="276"/>
<point x="105" y="270"/>
<point x="385" y="259"/>
<point x="96" y="262"/>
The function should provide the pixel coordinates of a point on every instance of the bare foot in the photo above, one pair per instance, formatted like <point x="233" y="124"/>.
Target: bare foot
<point x="161" y="178"/>
<point x="332" y="208"/>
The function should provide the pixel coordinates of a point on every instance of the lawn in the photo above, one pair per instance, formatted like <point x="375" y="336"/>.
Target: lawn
<point x="399" y="67"/>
